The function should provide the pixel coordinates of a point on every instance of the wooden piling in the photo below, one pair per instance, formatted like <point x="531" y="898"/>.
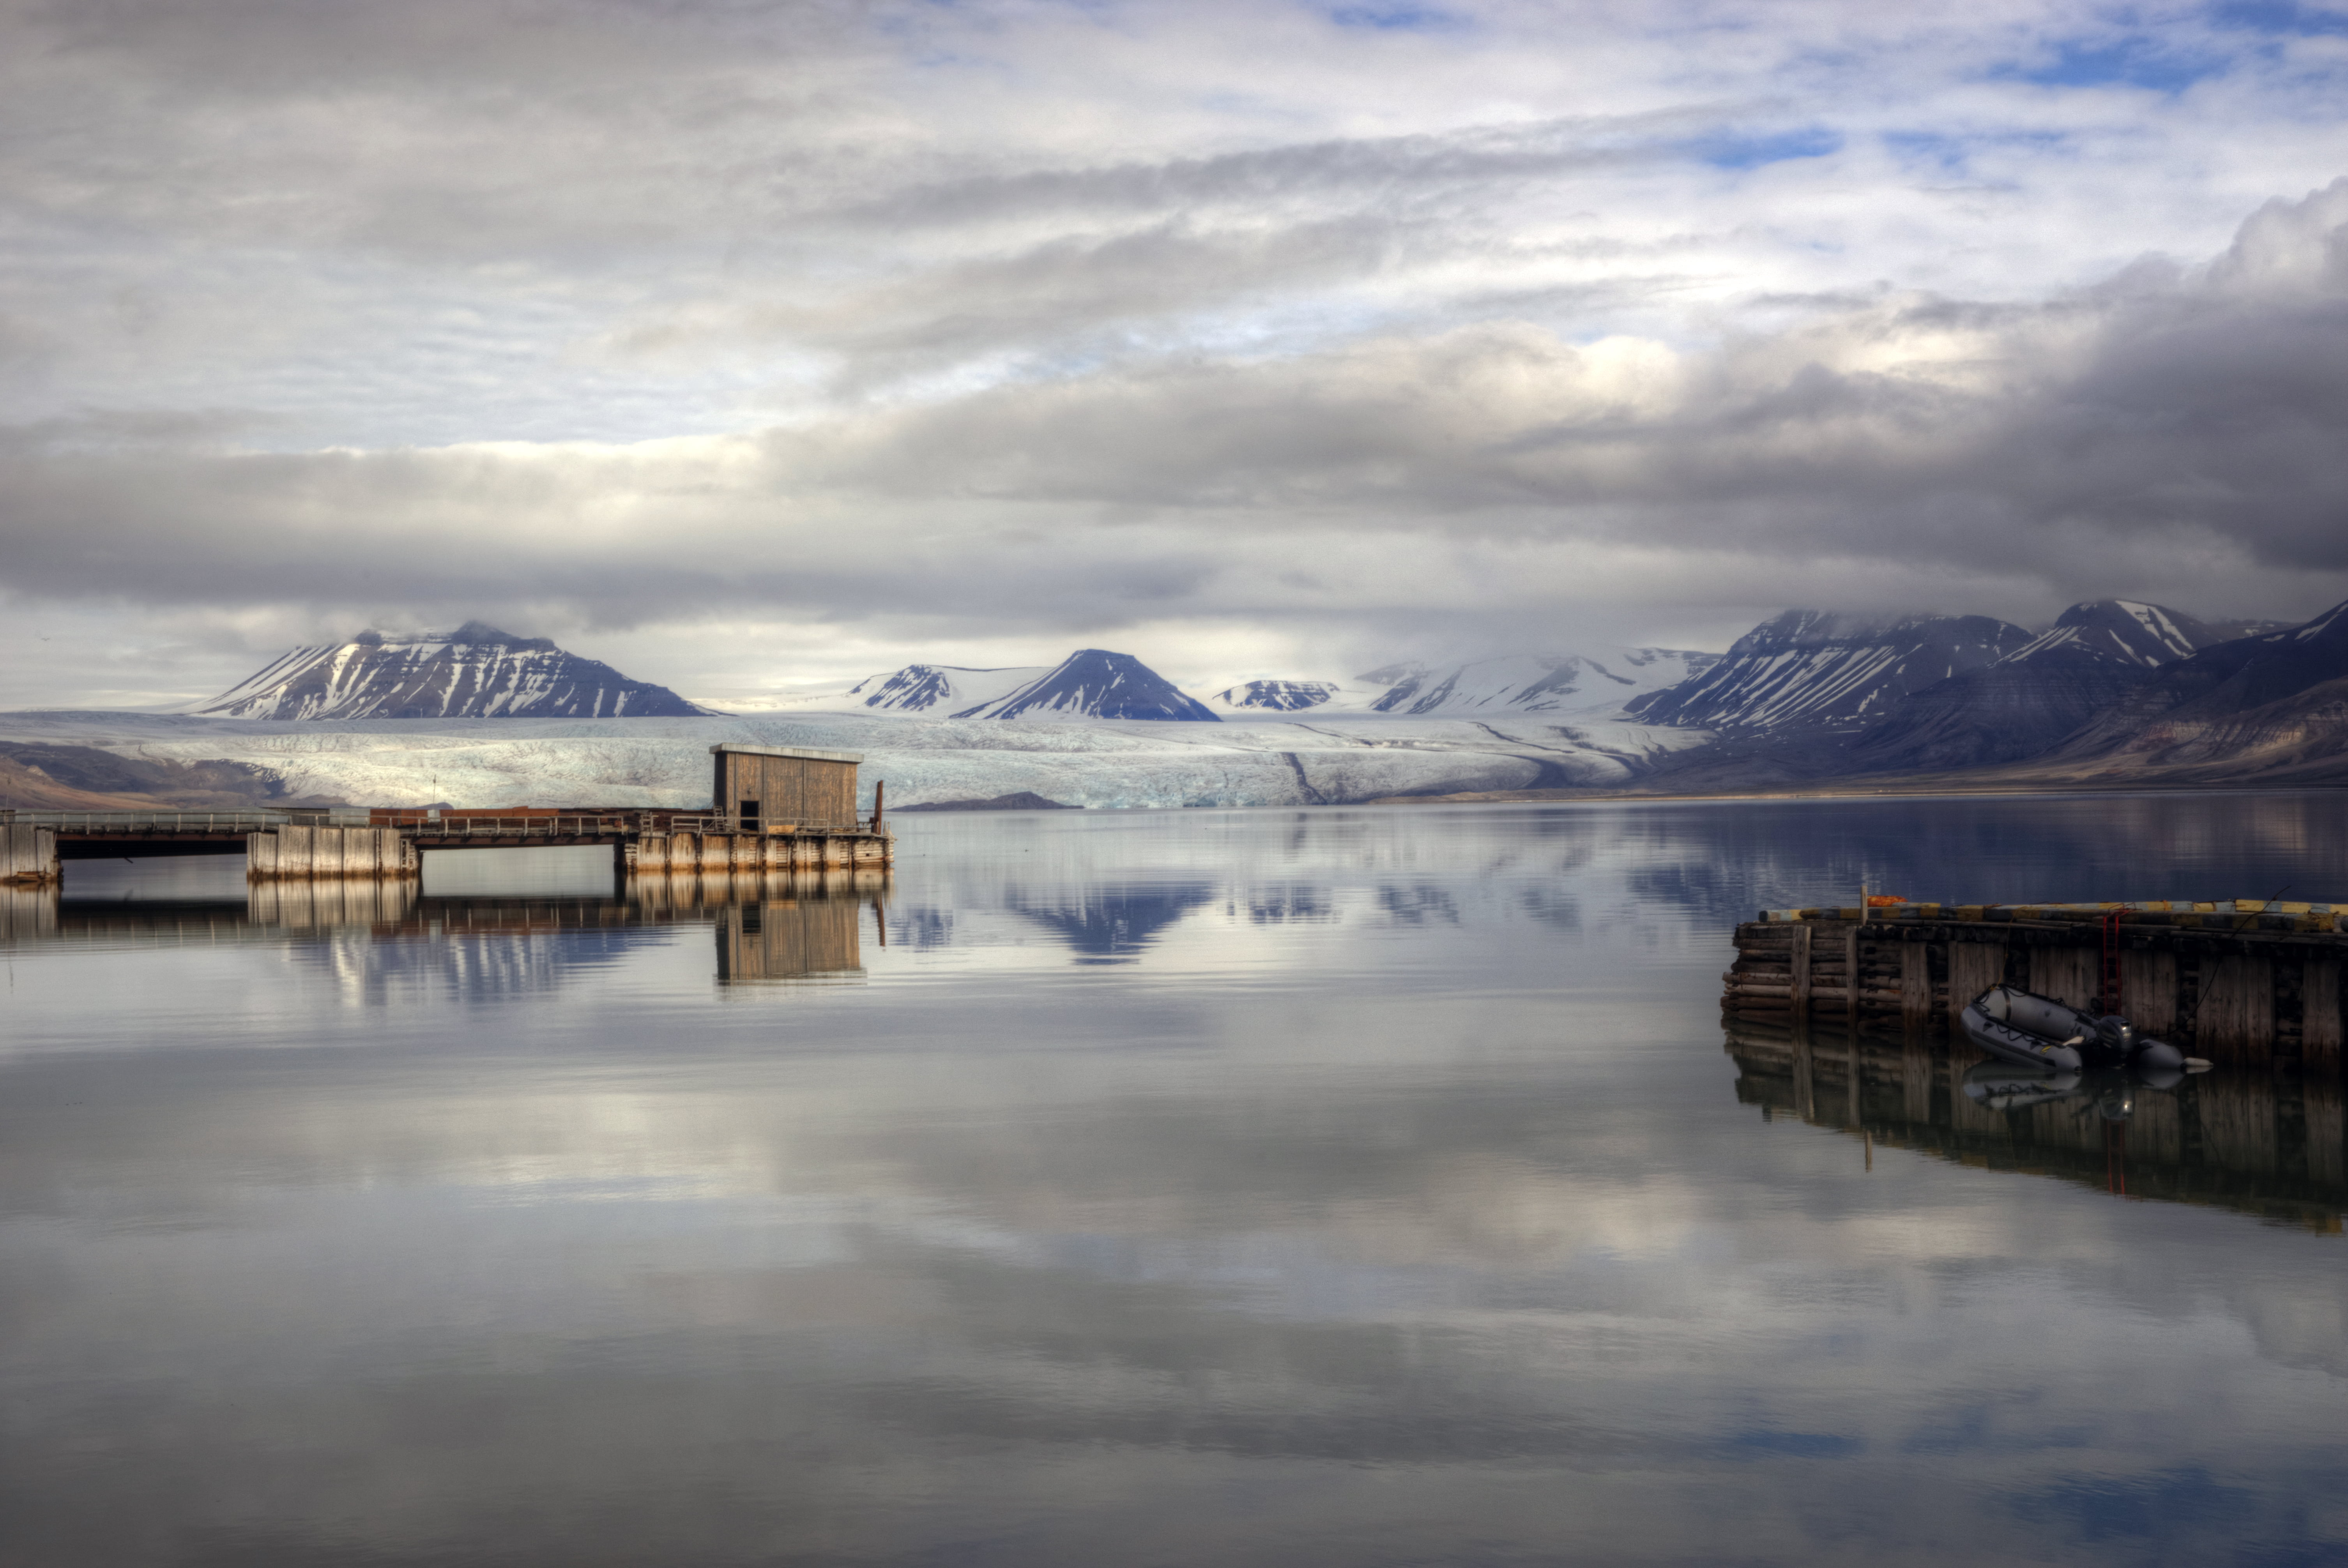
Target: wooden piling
<point x="2321" y="1023"/>
<point x="28" y="855"/>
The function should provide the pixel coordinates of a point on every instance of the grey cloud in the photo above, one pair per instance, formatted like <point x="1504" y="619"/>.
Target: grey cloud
<point x="1044" y="357"/>
<point x="1069" y="293"/>
<point x="1394" y="170"/>
<point x="2091" y="439"/>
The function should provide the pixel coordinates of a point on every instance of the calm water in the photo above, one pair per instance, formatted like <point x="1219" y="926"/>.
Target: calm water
<point x="1221" y="1187"/>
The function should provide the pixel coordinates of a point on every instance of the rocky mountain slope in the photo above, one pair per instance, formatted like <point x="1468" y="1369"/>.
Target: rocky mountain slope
<point x="1809" y="669"/>
<point x="940" y="690"/>
<point x="474" y="672"/>
<point x="2277" y="696"/>
<point x="40" y="777"/>
<point x="2036" y="697"/>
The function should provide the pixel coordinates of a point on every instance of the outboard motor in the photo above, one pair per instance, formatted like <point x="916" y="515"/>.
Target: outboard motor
<point x="2115" y="1037"/>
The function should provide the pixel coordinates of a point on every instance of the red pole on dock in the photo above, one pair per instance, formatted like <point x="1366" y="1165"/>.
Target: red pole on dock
<point x="2111" y="923"/>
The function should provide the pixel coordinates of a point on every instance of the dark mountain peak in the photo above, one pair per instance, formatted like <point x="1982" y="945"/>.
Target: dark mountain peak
<point x="2121" y="630"/>
<point x="1805" y="629"/>
<point x="481" y="633"/>
<point x="1276" y="696"/>
<point x="1098" y="683"/>
<point x="916" y="686"/>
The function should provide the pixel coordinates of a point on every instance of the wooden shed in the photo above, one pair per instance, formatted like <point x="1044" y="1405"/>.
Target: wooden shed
<point x="768" y="787"/>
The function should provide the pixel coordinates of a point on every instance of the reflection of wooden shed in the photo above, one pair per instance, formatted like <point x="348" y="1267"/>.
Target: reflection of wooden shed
<point x="788" y="939"/>
<point x="786" y="786"/>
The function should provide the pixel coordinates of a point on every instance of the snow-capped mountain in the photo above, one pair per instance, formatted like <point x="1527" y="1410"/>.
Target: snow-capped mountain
<point x="2094" y="655"/>
<point x="1275" y="696"/>
<point x="941" y="689"/>
<point x="1089" y="683"/>
<point x="1812" y="669"/>
<point x="1096" y="683"/>
<point x="2123" y="629"/>
<point x="1534" y="683"/>
<point x="474" y="672"/>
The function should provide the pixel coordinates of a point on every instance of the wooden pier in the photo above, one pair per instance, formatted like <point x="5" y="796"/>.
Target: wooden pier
<point x="780" y="809"/>
<point x="2250" y="980"/>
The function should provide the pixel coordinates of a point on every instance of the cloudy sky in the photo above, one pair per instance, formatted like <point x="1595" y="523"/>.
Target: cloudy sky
<point x="754" y="346"/>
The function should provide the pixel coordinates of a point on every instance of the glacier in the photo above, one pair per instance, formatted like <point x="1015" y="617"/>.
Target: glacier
<point x="1103" y="764"/>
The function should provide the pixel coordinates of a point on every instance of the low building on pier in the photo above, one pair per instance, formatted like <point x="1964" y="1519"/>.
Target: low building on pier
<point x="763" y="789"/>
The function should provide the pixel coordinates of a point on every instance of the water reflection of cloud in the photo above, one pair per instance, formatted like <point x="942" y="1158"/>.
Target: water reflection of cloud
<point x="1417" y="1228"/>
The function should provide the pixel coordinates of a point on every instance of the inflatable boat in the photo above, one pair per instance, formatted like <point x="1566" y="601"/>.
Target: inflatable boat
<point x="2031" y="1030"/>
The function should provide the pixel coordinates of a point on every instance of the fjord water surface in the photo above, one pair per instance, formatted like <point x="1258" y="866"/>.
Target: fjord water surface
<point x="1296" y="1187"/>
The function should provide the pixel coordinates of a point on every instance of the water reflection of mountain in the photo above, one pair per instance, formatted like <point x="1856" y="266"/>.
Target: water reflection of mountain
<point x="1112" y="925"/>
<point x="1721" y="862"/>
<point x="384" y="937"/>
<point x="2267" y="1145"/>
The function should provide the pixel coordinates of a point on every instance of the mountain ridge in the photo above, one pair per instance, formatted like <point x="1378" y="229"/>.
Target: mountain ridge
<point x="1811" y="668"/>
<point x="2033" y="699"/>
<point x="475" y="672"/>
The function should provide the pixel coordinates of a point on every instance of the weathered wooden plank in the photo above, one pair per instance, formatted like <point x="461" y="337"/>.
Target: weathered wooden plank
<point x="2149" y="991"/>
<point x="1844" y="942"/>
<point x="2320" y="1025"/>
<point x="28" y="853"/>
<point x="2066" y="974"/>
<point x="1974" y="968"/>
<point x="2236" y="1018"/>
<point x="1915" y="985"/>
<point x="1801" y="967"/>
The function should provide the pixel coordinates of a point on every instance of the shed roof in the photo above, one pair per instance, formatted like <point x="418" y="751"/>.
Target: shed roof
<point x="809" y="752"/>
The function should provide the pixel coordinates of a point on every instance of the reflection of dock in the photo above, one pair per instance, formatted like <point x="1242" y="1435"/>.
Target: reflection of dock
<point x="768" y="925"/>
<point x="2267" y="1143"/>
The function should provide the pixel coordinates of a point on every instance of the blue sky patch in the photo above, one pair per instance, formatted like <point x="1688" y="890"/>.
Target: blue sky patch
<point x="1401" y="17"/>
<point x="1952" y="153"/>
<point x="2137" y="61"/>
<point x="1728" y="150"/>
<point x="2283" y="18"/>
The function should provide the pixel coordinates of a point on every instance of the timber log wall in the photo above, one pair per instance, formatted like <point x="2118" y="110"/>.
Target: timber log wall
<point x="2252" y="980"/>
